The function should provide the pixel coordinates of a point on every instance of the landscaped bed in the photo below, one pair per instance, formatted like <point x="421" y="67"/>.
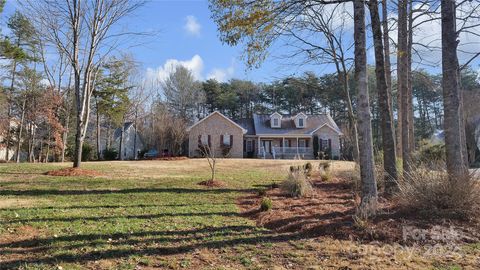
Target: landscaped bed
<point x="154" y="215"/>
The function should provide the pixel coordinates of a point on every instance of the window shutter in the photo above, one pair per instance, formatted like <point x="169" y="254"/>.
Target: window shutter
<point x="281" y="143"/>
<point x="244" y="146"/>
<point x="209" y="141"/>
<point x="330" y="144"/>
<point x="306" y="142"/>
<point x="231" y="140"/>
<point x="221" y="140"/>
<point x="199" y="139"/>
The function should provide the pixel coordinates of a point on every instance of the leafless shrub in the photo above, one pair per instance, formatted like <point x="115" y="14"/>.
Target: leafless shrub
<point x="432" y="192"/>
<point x="297" y="184"/>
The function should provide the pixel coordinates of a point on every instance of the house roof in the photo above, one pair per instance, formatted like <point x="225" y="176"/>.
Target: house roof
<point x="247" y="124"/>
<point x="218" y="113"/>
<point x="118" y="131"/>
<point x="314" y="122"/>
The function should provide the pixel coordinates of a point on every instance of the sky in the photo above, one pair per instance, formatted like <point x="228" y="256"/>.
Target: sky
<point x="182" y="32"/>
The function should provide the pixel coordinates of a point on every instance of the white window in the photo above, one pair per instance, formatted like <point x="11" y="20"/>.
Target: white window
<point x="275" y="122"/>
<point x="300" y="122"/>
<point x="249" y="146"/>
<point x="302" y="143"/>
<point x="204" y="139"/>
<point x="226" y="139"/>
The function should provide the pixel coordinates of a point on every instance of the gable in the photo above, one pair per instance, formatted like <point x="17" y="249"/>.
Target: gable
<point x="218" y="121"/>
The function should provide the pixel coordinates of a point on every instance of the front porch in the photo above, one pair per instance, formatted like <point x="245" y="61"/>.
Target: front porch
<point x="284" y="148"/>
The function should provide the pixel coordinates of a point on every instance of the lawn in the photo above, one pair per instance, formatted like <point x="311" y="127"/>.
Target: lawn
<point x="153" y="214"/>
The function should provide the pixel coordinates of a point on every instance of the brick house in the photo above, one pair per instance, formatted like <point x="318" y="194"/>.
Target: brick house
<point x="274" y="136"/>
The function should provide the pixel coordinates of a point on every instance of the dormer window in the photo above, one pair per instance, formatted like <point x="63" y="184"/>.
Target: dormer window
<point x="300" y="120"/>
<point x="276" y="120"/>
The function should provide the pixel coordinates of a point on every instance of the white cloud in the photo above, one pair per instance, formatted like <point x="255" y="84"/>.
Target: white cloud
<point x="222" y="75"/>
<point x="195" y="65"/>
<point x="192" y="26"/>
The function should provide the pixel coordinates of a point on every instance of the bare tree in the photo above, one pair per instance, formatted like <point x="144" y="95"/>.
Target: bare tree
<point x="83" y="31"/>
<point x="402" y="81"/>
<point x="453" y="123"/>
<point x="388" y="135"/>
<point x="369" y="195"/>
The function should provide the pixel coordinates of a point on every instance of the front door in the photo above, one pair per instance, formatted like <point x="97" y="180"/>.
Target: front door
<point x="267" y="145"/>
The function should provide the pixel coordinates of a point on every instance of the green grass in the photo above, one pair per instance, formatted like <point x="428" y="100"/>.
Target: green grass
<point x="147" y="214"/>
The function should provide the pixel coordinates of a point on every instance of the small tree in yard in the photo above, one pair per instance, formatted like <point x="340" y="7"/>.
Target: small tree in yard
<point x="207" y="151"/>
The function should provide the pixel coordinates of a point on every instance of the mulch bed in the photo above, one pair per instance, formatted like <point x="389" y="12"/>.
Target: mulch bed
<point x="215" y="183"/>
<point x="73" y="172"/>
<point x="330" y="212"/>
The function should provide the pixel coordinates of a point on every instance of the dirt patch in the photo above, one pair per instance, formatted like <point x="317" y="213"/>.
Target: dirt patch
<point x="73" y="172"/>
<point x="9" y="203"/>
<point x="330" y="212"/>
<point x="214" y="183"/>
<point x="27" y="234"/>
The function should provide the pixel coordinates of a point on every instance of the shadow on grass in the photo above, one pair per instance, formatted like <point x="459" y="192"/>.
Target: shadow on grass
<point x="43" y="192"/>
<point x="103" y="218"/>
<point x="153" y="243"/>
<point x="167" y="244"/>
<point x="115" y="206"/>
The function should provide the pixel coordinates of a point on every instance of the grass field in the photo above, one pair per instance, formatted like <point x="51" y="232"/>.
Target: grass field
<point x="153" y="214"/>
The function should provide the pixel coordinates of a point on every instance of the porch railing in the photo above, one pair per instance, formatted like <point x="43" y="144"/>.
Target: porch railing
<point x="293" y="150"/>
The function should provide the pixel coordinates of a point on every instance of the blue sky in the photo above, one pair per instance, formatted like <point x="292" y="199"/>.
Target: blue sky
<point x="185" y="34"/>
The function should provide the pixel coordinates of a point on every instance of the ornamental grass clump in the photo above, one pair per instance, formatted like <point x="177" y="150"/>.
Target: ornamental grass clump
<point x="432" y="192"/>
<point x="297" y="184"/>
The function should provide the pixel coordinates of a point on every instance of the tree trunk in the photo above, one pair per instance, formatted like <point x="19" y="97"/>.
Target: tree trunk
<point x="402" y="71"/>
<point x="12" y="84"/>
<point x="47" y="155"/>
<point x="388" y="137"/>
<point x="388" y="65"/>
<point x="65" y="134"/>
<point x="453" y="119"/>
<point x="369" y="194"/>
<point x="411" y="134"/>
<point x="120" y="148"/>
<point x="19" y="139"/>
<point x="135" y="135"/>
<point x="99" y="154"/>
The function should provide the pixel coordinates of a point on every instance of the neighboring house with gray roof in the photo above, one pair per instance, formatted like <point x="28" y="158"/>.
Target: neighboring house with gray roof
<point x="132" y="141"/>
<point x="269" y="136"/>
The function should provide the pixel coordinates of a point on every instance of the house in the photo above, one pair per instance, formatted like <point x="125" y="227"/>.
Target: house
<point x="132" y="141"/>
<point x="266" y="136"/>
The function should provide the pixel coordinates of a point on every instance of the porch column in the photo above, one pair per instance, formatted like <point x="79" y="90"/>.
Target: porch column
<point x="297" y="145"/>
<point x="283" y="145"/>
<point x="258" y="147"/>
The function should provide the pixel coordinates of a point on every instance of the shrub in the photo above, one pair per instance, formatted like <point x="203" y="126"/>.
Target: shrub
<point x="325" y="175"/>
<point x="262" y="192"/>
<point x="110" y="154"/>
<point x="274" y="185"/>
<point x="324" y="166"/>
<point x="430" y="153"/>
<point x="308" y="168"/>
<point x="87" y="152"/>
<point x="266" y="204"/>
<point x="297" y="184"/>
<point x="431" y="192"/>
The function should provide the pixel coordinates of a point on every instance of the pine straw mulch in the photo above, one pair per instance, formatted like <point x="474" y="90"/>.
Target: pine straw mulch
<point x="212" y="184"/>
<point x="73" y="172"/>
<point x="330" y="212"/>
